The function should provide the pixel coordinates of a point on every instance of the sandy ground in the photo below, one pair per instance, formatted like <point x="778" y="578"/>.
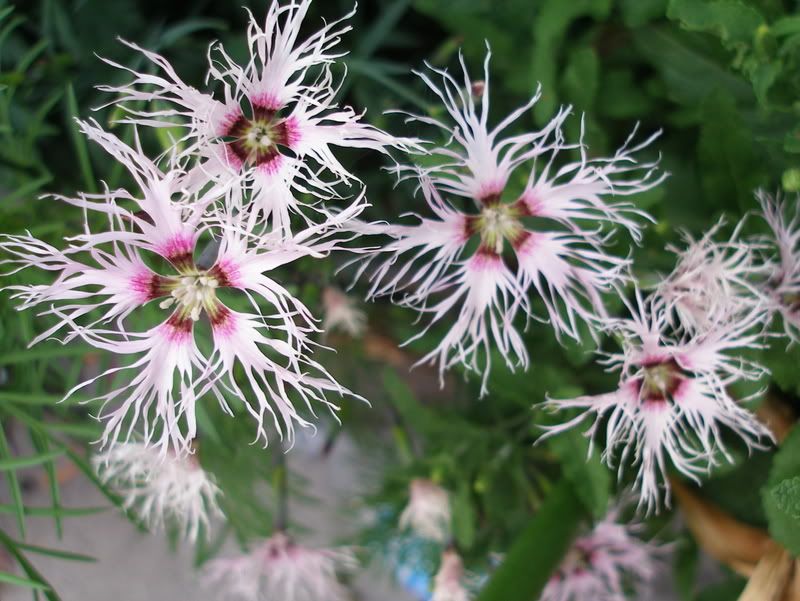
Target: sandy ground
<point x="133" y="566"/>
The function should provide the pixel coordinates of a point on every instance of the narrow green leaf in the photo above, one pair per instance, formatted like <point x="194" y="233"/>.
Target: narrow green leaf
<point x="68" y="555"/>
<point x="26" y="565"/>
<point x="380" y="29"/>
<point x="16" y="463"/>
<point x="78" y="141"/>
<point x="28" y="398"/>
<point x="42" y="444"/>
<point x="89" y="472"/>
<point x="539" y="548"/>
<point x="65" y="512"/>
<point x="6" y="578"/>
<point x="13" y="484"/>
<point x="42" y="353"/>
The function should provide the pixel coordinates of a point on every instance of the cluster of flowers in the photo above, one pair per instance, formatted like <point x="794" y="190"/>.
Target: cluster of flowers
<point x="602" y="564"/>
<point x="686" y="344"/>
<point x="516" y="232"/>
<point x="251" y="185"/>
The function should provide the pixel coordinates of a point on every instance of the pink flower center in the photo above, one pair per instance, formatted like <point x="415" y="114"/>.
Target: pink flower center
<point x="257" y="140"/>
<point x="660" y="381"/>
<point x="495" y="224"/>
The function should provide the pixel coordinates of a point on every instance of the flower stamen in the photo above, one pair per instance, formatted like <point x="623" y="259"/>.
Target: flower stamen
<point x="193" y="293"/>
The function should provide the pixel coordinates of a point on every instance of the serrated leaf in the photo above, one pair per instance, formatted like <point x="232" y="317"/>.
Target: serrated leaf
<point x="733" y="21"/>
<point x="786" y="495"/>
<point x="781" y="495"/>
<point x="730" y="165"/>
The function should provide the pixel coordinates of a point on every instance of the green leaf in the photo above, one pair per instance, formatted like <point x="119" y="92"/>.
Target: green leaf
<point x="587" y="474"/>
<point x="14" y="485"/>
<point x="728" y="159"/>
<point x="727" y="590"/>
<point x="688" y="71"/>
<point x="26" y="565"/>
<point x="43" y="353"/>
<point x="16" y="463"/>
<point x="733" y="21"/>
<point x="78" y="140"/>
<point x="538" y="549"/>
<point x="68" y="555"/>
<point x="6" y="578"/>
<point x="463" y="517"/>
<point x="42" y="444"/>
<point x="781" y="495"/>
<point x="581" y="78"/>
<point x="549" y="30"/>
<point x="685" y="567"/>
<point x="65" y="512"/>
<point x="636" y="13"/>
<point x="786" y="495"/>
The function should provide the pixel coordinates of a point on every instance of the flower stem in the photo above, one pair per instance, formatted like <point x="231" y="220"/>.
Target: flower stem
<point x="280" y="483"/>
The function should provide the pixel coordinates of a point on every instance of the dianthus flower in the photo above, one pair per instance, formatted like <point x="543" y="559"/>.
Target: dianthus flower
<point x="272" y="129"/>
<point x="489" y="244"/>
<point x="712" y="280"/>
<point x="428" y="511"/>
<point x="161" y="489"/>
<point x="448" y="584"/>
<point x="281" y="569"/>
<point x="604" y="564"/>
<point x="782" y="286"/>
<point x="673" y="398"/>
<point x="103" y="278"/>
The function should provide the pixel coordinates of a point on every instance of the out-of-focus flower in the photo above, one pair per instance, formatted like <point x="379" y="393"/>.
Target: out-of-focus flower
<point x="428" y="510"/>
<point x="448" y="585"/>
<point x="554" y="232"/>
<point x="280" y="569"/>
<point x="274" y="126"/>
<point x="102" y="278"/>
<point x="604" y="564"/>
<point x="783" y="284"/>
<point x="712" y="280"/>
<point x="673" y="397"/>
<point x="342" y="313"/>
<point x="161" y="488"/>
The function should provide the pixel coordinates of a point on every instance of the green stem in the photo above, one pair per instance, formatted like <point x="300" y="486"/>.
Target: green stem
<point x="539" y="549"/>
<point x="280" y="482"/>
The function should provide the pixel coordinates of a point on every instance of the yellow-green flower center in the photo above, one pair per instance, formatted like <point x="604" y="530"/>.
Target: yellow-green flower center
<point x="498" y="222"/>
<point x="192" y="293"/>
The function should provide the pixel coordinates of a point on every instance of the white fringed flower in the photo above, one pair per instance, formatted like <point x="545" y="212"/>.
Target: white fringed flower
<point x="560" y="255"/>
<point x="782" y="287"/>
<point x="274" y="127"/>
<point x="448" y="584"/>
<point x="712" y="280"/>
<point x="342" y="313"/>
<point x="673" y="398"/>
<point x="280" y="569"/>
<point x="161" y="488"/>
<point x="102" y="279"/>
<point x="428" y="511"/>
<point x="605" y="564"/>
